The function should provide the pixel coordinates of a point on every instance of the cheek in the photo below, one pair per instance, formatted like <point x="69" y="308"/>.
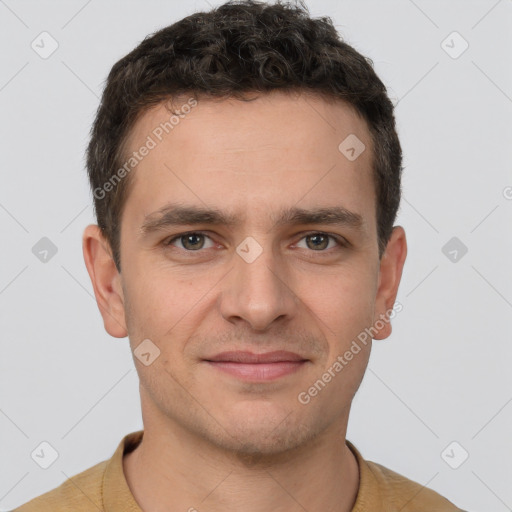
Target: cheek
<point x="164" y="305"/>
<point x="344" y="301"/>
<point x="170" y="303"/>
<point x="344" y="310"/>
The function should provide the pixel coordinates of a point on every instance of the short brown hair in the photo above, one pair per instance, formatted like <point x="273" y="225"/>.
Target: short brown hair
<point x="240" y="47"/>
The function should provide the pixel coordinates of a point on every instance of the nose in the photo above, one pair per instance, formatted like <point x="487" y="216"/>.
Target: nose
<point x="258" y="292"/>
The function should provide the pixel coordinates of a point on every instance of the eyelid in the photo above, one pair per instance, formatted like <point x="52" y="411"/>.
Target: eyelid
<point x="326" y="233"/>
<point x="342" y="241"/>
<point x="168" y="241"/>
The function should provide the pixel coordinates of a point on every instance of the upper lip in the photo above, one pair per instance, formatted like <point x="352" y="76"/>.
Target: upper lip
<point x="237" y="356"/>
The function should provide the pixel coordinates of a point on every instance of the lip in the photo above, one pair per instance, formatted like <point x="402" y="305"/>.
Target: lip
<point x="249" y="366"/>
<point x="240" y="356"/>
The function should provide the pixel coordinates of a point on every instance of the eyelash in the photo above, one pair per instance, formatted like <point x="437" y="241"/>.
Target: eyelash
<point x="342" y="243"/>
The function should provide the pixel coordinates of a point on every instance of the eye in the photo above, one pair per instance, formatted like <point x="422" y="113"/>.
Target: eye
<point x="319" y="242"/>
<point x="192" y="241"/>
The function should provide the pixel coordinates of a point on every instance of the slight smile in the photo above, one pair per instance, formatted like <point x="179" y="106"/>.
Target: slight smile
<point x="257" y="367"/>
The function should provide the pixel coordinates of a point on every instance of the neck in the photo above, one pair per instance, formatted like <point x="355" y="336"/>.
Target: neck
<point x="172" y="466"/>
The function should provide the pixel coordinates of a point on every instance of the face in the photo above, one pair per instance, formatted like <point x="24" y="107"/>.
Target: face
<point x="247" y="229"/>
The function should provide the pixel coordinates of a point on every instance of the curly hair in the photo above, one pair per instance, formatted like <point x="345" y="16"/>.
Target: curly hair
<point x="240" y="47"/>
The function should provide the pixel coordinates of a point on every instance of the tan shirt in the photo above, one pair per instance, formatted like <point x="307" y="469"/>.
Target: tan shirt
<point x="103" y="487"/>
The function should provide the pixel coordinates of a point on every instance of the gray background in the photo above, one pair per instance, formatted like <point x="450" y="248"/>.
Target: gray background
<point x="444" y="374"/>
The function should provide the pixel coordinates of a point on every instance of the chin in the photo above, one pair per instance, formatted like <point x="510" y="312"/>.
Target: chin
<point x="256" y="441"/>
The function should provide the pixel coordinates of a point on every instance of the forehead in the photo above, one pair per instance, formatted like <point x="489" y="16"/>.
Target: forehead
<point x="249" y="155"/>
<point x="300" y="118"/>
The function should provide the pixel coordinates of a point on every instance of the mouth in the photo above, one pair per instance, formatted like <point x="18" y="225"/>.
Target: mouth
<point x="257" y="367"/>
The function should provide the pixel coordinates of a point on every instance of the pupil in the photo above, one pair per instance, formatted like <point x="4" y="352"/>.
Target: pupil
<point x="190" y="240"/>
<point x="317" y="238"/>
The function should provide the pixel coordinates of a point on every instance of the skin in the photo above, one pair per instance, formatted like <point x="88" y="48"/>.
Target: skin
<point x="212" y="441"/>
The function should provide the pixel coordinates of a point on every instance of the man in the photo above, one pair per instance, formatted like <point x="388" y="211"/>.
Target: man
<point x="245" y="169"/>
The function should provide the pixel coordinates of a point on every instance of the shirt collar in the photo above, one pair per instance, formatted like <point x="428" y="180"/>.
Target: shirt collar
<point x="117" y="496"/>
<point x="369" y="496"/>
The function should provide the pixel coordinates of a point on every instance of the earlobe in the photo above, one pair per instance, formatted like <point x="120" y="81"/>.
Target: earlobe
<point x="105" y="279"/>
<point x="390" y="274"/>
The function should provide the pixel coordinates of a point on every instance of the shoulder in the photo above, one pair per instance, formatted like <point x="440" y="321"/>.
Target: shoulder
<point x="80" y="493"/>
<point x="406" y="495"/>
<point x="381" y="488"/>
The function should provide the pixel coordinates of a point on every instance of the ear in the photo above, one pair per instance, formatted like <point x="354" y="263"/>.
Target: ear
<point x="390" y="273"/>
<point x="105" y="279"/>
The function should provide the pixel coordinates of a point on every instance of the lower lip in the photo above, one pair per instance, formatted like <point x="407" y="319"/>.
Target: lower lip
<point x="259" y="371"/>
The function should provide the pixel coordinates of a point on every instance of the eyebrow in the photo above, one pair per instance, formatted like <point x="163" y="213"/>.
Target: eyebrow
<point x="174" y="214"/>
